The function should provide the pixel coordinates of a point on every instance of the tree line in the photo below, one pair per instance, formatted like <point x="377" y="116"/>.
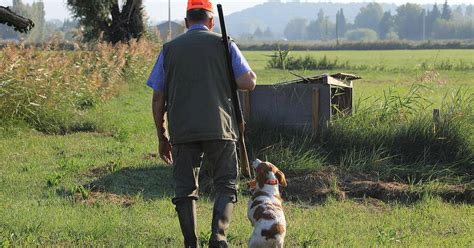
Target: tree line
<point x="410" y="22"/>
<point x="111" y="21"/>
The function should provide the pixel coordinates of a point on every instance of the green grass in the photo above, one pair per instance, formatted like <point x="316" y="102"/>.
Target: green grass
<point x="38" y="172"/>
<point x="393" y="122"/>
<point x="402" y="70"/>
<point x="405" y="59"/>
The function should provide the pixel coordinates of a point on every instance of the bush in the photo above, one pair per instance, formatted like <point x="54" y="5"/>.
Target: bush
<point x="362" y="34"/>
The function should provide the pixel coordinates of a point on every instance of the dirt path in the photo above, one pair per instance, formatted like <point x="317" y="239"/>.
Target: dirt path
<point x="317" y="186"/>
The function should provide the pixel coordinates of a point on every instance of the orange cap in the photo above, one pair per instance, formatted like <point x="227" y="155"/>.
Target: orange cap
<point x="200" y="4"/>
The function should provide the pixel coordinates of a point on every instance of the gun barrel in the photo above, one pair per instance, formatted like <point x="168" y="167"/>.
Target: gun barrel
<point x="235" y="97"/>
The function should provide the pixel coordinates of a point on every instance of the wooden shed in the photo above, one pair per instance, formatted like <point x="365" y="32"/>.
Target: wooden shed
<point x="302" y="103"/>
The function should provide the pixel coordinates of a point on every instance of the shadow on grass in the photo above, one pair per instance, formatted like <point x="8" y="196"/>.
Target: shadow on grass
<point x="150" y="182"/>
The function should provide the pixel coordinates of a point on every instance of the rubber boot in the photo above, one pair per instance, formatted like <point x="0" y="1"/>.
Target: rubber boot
<point x="223" y="207"/>
<point x="186" y="210"/>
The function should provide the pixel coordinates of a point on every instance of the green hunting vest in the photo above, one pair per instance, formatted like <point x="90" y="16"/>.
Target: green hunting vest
<point x="198" y="92"/>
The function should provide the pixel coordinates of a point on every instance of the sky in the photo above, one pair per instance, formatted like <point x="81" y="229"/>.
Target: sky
<point x="157" y="10"/>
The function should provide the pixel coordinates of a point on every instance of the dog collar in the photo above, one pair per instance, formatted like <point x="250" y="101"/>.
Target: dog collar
<point x="271" y="182"/>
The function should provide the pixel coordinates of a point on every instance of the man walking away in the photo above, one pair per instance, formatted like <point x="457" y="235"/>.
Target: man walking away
<point x="192" y="85"/>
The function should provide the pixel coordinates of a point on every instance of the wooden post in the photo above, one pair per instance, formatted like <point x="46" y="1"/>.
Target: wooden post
<point x="315" y="110"/>
<point x="436" y="120"/>
<point x="246" y="105"/>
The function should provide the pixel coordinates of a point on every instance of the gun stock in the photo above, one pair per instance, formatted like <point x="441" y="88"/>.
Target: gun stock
<point x="244" y="160"/>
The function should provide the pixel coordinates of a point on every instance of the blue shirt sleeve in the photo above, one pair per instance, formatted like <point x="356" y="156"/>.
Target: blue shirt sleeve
<point x="239" y="63"/>
<point x="156" y="81"/>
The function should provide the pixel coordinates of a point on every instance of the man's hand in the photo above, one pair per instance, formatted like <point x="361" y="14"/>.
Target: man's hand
<point x="164" y="149"/>
<point x="158" y="106"/>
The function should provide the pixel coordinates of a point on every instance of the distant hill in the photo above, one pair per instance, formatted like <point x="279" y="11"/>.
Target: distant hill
<point x="176" y="29"/>
<point x="276" y="15"/>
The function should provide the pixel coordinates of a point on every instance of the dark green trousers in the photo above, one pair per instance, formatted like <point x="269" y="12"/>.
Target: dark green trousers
<point x="187" y="159"/>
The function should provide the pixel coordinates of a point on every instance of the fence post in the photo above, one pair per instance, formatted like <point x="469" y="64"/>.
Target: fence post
<point x="315" y="110"/>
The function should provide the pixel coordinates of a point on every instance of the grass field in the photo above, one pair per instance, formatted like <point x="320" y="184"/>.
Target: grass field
<point x="43" y="203"/>
<point x="401" y="70"/>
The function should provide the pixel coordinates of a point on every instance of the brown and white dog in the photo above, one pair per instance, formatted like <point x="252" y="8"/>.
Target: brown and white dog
<point x="265" y="210"/>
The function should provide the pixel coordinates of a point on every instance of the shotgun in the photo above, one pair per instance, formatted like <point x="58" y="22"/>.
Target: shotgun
<point x="244" y="159"/>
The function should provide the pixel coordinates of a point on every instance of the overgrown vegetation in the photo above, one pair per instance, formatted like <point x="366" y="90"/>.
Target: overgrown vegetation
<point x="394" y="137"/>
<point x="282" y="59"/>
<point x="50" y="88"/>
<point x="348" y="45"/>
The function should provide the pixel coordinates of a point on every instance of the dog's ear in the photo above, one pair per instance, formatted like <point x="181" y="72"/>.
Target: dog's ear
<point x="261" y="178"/>
<point x="281" y="178"/>
<point x="252" y="184"/>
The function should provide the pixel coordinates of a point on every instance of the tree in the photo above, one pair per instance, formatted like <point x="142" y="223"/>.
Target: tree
<point x="362" y="34"/>
<point x="386" y="25"/>
<point x="296" y="29"/>
<point x="19" y="23"/>
<point x="258" y="33"/>
<point x="457" y="14"/>
<point x="369" y="16"/>
<point x="431" y="18"/>
<point x="340" y="23"/>
<point x="37" y="13"/>
<point x="268" y="33"/>
<point x="316" y="29"/>
<point x="469" y="13"/>
<point x="446" y="14"/>
<point x="435" y="13"/>
<point x="116" y="23"/>
<point x="409" y="22"/>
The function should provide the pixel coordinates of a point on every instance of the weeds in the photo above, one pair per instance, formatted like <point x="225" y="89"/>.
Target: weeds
<point x="283" y="60"/>
<point x="294" y="151"/>
<point x="54" y="179"/>
<point x="386" y="236"/>
<point x="307" y="240"/>
<point x="392" y="137"/>
<point x="204" y="238"/>
<point x="447" y="64"/>
<point x="49" y="88"/>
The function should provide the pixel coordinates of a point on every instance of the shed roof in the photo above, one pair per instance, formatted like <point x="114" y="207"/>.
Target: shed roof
<point x="339" y="79"/>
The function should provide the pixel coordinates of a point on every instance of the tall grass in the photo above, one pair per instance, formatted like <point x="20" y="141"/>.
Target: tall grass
<point x="392" y="137"/>
<point x="49" y="88"/>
